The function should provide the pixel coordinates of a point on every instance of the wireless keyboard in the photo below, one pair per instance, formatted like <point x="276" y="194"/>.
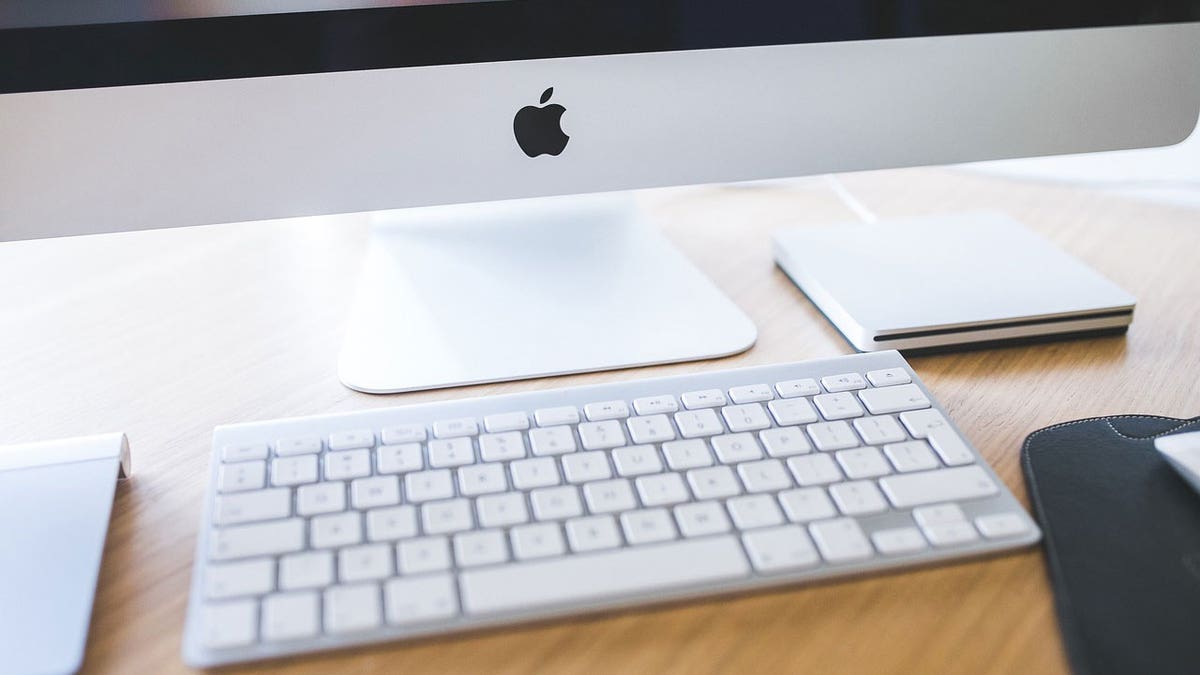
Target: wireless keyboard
<point x="326" y="532"/>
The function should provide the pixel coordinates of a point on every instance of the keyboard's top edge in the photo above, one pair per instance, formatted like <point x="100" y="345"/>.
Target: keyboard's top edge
<point x="874" y="360"/>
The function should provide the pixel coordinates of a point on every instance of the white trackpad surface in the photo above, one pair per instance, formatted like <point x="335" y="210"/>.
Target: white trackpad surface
<point x="53" y="542"/>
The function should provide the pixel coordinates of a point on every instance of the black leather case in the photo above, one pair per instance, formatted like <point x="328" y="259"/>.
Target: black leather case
<point x="1122" y="537"/>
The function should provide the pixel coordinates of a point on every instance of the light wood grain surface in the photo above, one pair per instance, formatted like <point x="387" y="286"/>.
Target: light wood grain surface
<point x="166" y="334"/>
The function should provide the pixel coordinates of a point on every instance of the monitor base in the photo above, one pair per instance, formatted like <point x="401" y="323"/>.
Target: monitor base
<point x="476" y="293"/>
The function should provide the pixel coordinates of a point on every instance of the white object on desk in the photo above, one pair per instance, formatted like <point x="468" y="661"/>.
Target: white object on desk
<point x="953" y="279"/>
<point x="544" y="287"/>
<point x="591" y="498"/>
<point x="1183" y="453"/>
<point x="57" y="497"/>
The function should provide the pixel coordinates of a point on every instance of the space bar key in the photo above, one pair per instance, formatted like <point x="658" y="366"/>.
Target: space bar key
<point x="601" y="576"/>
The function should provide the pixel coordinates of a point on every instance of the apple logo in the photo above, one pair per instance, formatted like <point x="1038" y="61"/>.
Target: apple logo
<point x="539" y="129"/>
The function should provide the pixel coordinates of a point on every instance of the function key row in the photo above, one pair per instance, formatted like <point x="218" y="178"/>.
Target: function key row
<point x="833" y="405"/>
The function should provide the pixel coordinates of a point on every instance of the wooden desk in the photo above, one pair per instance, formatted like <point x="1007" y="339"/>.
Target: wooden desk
<point x="167" y="334"/>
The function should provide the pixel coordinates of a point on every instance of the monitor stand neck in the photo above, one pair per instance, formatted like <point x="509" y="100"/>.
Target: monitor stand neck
<point x="475" y="293"/>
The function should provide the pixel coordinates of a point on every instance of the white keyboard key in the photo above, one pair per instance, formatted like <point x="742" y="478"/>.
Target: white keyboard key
<point x="423" y="486"/>
<point x="798" y="388"/>
<point x="352" y="608"/>
<point x="780" y="549"/>
<point x="232" y="580"/>
<point x="662" y="489"/>
<point x="1001" y="525"/>
<point x="258" y="539"/>
<point x="709" y="398"/>
<point x="501" y="510"/>
<point x="593" y="534"/>
<point x="601" y="435"/>
<point x="513" y="421"/>
<point x="863" y="463"/>
<point x="306" y="445"/>
<point x="746" y="417"/>
<point x="888" y="377"/>
<point x="858" y="498"/>
<point x="242" y="476"/>
<point x="607" y="496"/>
<point x="368" y="493"/>
<point x="950" y="534"/>
<point x="950" y="447"/>
<point x="838" y="406"/>
<point x="785" y="441"/>
<point x="845" y="382"/>
<point x="653" y="405"/>
<point x="767" y="475"/>
<point x="807" y="504"/>
<point x="714" y="482"/>
<point x="247" y="507"/>
<point x="751" y="393"/>
<point x="501" y="447"/>
<point x="829" y="436"/>
<point x="403" y="433"/>
<point x="698" y="423"/>
<point x="352" y="440"/>
<point x="481" y="479"/>
<point x="486" y="547"/>
<point x="647" y="526"/>
<point x="637" y="460"/>
<point x="552" y="441"/>
<point x="549" y="417"/>
<point x="541" y="540"/>
<point x="584" y="467"/>
<point x="689" y="454"/>
<point x="556" y="503"/>
<point x="456" y="428"/>
<point x="735" y="448"/>
<point x="792" y="411"/>
<point x="421" y="600"/>
<point x="701" y="519"/>
<point x="451" y="515"/>
<point x="899" y="541"/>
<point x="364" y="563"/>
<point x="886" y="400"/>
<point x="392" y="523"/>
<point x="287" y="471"/>
<point x="290" y="616"/>
<point x="427" y="554"/>
<point x="840" y="540"/>
<point x="879" y="430"/>
<point x="911" y="456"/>
<point x="534" y="472"/>
<point x="920" y="422"/>
<point x="753" y="511"/>
<point x="347" y="464"/>
<point x="650" y="429"/>
<point x="814" y="470"/>
<point x="245" y="452"/>
<point x="624" y="572"/>
<point x="606" y="410"/>
<point x="399" y="458"/>
<point x="334" y="530"/>
<point x="311" y="569"/>
<point x="939" y="514"/>
<point x="446" y="453"/>
<point x="930" y="487"/>
<point x="318" y="498"/>
<point x="229" y="624"/>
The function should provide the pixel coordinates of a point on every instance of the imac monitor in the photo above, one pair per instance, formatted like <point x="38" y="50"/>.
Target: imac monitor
<point x="484" y="121"/>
